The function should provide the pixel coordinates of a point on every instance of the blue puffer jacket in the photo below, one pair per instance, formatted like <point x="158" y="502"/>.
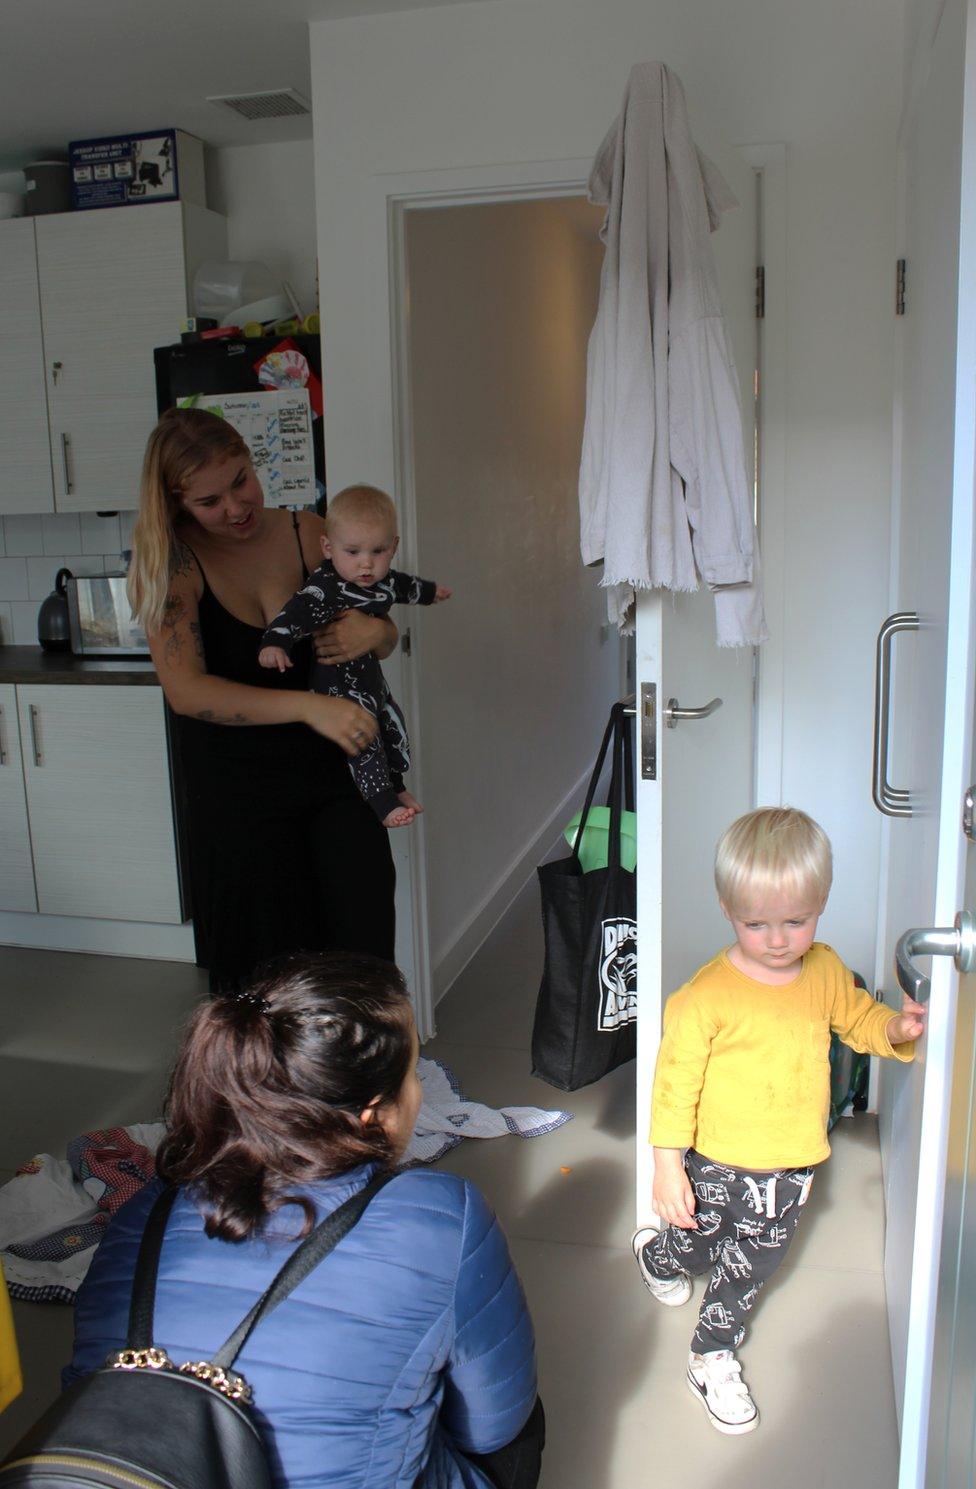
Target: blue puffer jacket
<point x="411" y="1339"/>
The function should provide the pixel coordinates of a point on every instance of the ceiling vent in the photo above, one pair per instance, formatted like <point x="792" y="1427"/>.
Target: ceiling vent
<point x="279" y="103"/>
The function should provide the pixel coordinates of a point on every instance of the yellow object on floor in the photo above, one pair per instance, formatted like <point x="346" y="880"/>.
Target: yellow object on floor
<point x="11" y="1382"/>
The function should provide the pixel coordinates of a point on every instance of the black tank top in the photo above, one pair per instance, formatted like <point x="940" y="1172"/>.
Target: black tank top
<point x="231" y="649"/>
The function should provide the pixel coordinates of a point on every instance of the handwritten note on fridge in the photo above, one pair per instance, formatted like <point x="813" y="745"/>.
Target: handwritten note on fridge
<point x="277" y="429"/>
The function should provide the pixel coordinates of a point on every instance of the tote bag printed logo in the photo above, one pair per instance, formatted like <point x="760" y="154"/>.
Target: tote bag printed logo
<point x="618" y="975"/>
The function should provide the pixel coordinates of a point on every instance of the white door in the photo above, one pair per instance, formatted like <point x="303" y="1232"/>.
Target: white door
<point x="703" y="767"/>
<point x="951" y="1455"/>
<point x="25" y="457"/>
<point x="113" y="286"/>
<point x="98" y="793"/>
<point x="930" y="709"/>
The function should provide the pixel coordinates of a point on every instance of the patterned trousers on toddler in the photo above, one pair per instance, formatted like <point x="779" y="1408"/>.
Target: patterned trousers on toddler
<point x="746" y="1222"/>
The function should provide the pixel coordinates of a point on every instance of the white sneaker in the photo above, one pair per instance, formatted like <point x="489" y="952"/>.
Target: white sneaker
<point x="716" y="1380"/>
<point x="673" y="1291"/>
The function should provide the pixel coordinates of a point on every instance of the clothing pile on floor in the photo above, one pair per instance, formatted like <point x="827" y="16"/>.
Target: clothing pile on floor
<point x="53" y="1213"/>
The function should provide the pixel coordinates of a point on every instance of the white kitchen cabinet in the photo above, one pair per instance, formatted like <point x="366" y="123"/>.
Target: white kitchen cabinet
<point x="84" y="299"/>
<point x="25" y="455"/>
<point x="99" y="802"/>
<point x="16" y="864"/>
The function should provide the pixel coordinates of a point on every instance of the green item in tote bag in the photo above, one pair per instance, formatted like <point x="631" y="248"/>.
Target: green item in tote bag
<point x="594" y="848"/>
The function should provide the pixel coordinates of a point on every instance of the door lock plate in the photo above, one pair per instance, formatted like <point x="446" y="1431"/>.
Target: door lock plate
<point x="648" y="731"/>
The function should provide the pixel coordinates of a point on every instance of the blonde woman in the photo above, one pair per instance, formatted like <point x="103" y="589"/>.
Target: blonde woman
<point x="284" y="853"/>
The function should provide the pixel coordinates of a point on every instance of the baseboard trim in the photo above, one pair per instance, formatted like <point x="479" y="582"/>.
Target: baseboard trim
<point x="483" y="919"/>
<point x="166" y="943"/>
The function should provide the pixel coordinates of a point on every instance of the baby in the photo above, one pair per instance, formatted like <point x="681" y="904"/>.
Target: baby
<point x="358" y="547"/>
<point x="742" y="1092"/>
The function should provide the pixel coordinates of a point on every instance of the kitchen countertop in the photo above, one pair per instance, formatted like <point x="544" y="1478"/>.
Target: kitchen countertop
<point x="31" y="664"/>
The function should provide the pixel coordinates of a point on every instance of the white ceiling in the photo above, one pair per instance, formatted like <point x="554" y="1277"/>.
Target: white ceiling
<point x="77" y="69"/>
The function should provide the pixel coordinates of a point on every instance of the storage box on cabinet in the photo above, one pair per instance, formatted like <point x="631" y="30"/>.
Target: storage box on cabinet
<point x="96" y="292"/>
<point x="98" y="803"/>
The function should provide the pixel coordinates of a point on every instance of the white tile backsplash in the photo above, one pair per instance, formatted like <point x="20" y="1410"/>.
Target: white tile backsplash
<point x="33" y="548"/>
<point x="22" y="535"/>
<point x="60" y="532"/>
<point x="24" y="613"/>
<point x="99" y="534"/>
<point x="13" y="578"/>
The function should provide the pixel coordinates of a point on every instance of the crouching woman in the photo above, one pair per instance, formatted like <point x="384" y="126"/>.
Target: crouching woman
<point x="406" y="1359"/>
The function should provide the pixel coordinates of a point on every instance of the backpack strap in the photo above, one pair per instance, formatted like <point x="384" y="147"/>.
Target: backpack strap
<point x="147" y="1265"/>
<point x="304" y="1259"/>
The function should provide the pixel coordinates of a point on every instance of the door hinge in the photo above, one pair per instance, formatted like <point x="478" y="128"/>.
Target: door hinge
<point x="760" y="291"/>
<point x="900" y="287"/>
<point x="405" y="643"/>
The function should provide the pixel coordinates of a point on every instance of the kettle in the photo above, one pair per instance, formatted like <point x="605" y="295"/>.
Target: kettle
<point x="53" y="630"/>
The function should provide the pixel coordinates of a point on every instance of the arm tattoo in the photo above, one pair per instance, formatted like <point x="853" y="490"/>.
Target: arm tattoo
<point x="209" y="716"/>
<point x="197" y="640"/>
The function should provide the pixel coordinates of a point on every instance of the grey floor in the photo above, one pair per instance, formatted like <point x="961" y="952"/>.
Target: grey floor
<point x="86" y="1040"/>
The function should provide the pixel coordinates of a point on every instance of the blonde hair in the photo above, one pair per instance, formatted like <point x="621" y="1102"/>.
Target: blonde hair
<point x="363" y="504"/>
<point x="772" y="849"/>
<point x="182" y="443"/>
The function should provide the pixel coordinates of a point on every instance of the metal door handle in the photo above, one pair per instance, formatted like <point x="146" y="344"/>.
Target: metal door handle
<point x="959" y="942"/>
<point x="892" y="800"/>
<point x="4" y="757"/>
<point x="35" y="726"/>
<point x="674" y="711"/>
<point x="65" y="447"/>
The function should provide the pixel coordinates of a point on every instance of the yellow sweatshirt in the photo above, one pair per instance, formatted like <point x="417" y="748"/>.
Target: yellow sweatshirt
<point x="743" y="1073"/>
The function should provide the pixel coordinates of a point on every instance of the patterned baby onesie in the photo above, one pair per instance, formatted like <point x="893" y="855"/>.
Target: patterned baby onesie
<point x="379" y="770"/>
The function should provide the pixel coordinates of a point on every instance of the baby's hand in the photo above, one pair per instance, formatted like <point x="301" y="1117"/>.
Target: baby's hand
<point x="274" y="656"/>
<point x="673" y="1198"/>
<point x="442" y="593"/>
<point x="909" y="1024"/>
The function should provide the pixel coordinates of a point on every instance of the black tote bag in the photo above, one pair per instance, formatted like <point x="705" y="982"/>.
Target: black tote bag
<point x="586" y="1014"/>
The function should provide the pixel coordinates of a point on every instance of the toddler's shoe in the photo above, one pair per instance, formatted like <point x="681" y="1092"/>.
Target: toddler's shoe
<point x="716" y="1380"/>
<point x="673" y="1291"/>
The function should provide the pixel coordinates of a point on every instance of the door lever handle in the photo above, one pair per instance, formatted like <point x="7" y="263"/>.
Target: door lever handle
<point x="958" y="941"/>
<point x="674" y="711"/>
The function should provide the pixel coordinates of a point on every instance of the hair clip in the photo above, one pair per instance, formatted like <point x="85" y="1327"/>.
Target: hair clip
<point x="252" y="1000"/>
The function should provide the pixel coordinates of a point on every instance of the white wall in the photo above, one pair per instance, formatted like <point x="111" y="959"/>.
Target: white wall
<point x="267" y="193"/>
<point x="469" y="87"/>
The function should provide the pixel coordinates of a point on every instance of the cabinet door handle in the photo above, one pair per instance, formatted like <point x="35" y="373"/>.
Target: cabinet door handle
<point x="65" y="447"/>
<point x="4" y="755"/>
<point x="35" y="725"/>
<point x="894" y="801"/>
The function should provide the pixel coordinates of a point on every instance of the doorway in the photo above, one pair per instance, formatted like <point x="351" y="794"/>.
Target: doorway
<point x="509" y="684"/>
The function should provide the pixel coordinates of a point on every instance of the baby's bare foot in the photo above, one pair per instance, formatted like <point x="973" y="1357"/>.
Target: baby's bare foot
<point x="409" y="801"/>
<point x="399" y="817"/>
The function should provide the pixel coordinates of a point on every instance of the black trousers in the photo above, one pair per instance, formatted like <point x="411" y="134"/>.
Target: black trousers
<point x="518" y="1464"/>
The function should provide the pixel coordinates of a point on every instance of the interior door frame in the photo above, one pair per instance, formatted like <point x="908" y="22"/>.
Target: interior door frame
<point x="388" y="199"/>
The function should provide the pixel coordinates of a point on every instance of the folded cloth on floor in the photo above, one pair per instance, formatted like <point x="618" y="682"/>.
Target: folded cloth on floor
<point x="53" y="1213"/>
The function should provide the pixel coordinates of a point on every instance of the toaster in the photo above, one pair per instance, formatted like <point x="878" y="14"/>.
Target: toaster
<point x="100" y="619"/>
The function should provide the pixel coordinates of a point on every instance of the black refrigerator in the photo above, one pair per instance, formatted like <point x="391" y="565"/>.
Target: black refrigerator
<point x="281" y="423"/>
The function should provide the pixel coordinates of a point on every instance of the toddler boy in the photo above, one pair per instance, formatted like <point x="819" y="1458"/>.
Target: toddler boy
<point x="358" y="547"/>
<point x="743" y="1083"/>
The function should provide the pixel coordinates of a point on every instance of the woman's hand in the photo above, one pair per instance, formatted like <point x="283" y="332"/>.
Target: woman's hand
<point x="442" y="593"/>
<point x="345" y="723"/>
<point x="673" y="1199"/>
<point x="351" y="635"/>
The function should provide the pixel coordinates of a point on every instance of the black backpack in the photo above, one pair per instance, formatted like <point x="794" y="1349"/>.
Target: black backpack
<point x="142" y="1423"/>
